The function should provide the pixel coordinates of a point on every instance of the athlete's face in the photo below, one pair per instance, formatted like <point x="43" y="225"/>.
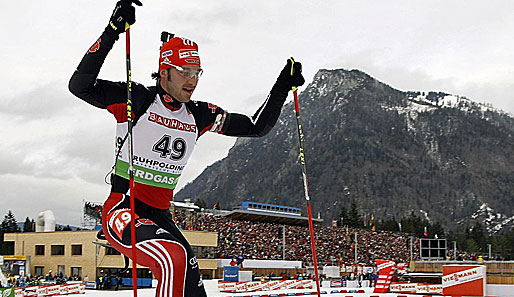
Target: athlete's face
<point x="178" y="86"/>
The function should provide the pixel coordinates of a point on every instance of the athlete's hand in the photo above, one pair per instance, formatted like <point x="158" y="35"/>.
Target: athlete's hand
<point x="124" y="13"/>
<point x="288" y="80"/>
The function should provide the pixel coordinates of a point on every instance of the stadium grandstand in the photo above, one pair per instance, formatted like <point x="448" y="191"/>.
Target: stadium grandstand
<point x="259" y="230"/>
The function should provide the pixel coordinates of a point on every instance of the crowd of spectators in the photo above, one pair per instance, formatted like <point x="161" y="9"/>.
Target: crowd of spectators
<point x="35" y="280"/>
<point x="334" y="245"/>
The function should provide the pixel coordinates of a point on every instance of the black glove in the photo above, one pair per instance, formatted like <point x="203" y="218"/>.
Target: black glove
<point x="123" y="13"/>
<point x="286" y="80"/>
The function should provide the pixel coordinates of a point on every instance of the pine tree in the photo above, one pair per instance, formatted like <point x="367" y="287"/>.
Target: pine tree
<point x="478" y="235"/>
<point x="9" y="224"/>
<point x="389" y="225"/>
<point x="28" y="225"/>
<point x="343" y="217"/>
<point x="200" y="203"/>
<point x="354" y="218"/>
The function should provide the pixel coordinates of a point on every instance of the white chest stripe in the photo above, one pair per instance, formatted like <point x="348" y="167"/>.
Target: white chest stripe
<point x="163" y="142"/>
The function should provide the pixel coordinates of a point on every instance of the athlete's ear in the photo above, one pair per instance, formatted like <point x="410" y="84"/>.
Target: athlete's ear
<point x="163" y="73"/>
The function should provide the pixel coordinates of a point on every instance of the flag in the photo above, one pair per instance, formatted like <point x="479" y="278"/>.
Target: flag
<point x="400" y="226"/>
<point x="372" y="217"/>
<point x="216" y="205"/>
<point x="425" y="231"/>
<point x="374" y="228"/>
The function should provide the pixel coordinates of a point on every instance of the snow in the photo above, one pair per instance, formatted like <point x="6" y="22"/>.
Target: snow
<point x="211" y="288"/>
<point x="455" y="101"/>
<point x="212" y="291"/>
<point x="420" y="103"/>
<point x="493" y="222"/>
<point x="425" y="214"/>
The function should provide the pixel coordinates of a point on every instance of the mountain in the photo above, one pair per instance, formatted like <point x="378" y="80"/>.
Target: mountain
<point x="492" y="220"/>
<point x="392" y="152"/>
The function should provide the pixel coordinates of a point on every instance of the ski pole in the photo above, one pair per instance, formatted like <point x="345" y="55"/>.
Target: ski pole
<point x="305" y="180"/>
<point x="131" y="161"/>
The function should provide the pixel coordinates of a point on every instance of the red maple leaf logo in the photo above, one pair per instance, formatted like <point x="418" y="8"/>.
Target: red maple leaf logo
<point x="95" y="46"/>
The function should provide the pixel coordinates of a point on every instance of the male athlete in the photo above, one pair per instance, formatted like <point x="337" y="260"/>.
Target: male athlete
<point x="167" y="127"/>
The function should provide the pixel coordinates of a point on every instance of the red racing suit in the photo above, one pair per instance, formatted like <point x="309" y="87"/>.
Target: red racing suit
<point x="164" y="136"/>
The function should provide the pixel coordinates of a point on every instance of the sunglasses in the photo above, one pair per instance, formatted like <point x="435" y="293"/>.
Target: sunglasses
<point x="188" y="73"/>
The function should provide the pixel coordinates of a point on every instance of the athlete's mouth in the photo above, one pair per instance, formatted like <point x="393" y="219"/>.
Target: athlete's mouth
<point x="188" y="90"/>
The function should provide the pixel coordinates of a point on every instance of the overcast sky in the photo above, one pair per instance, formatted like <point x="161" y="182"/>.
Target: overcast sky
<point x="55" y="149"/>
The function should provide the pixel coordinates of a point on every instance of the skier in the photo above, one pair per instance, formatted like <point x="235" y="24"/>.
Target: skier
<point x="167" y="128"/>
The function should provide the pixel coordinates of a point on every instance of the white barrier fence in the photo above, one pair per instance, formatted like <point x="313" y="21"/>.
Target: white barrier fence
<point x="51" y="290"/>
<point x="416" y="288"/>
<point x="234" y="287"/>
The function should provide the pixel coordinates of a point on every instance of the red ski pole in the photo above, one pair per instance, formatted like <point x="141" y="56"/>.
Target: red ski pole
<point x="305" y="181"/>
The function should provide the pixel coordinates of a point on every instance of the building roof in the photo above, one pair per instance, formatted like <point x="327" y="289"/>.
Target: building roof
<point x="263" y="217"/>
<point x="185" y="205"/>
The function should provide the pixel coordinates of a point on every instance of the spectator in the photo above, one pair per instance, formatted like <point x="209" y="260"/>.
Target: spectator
<point x="335" y="245"/>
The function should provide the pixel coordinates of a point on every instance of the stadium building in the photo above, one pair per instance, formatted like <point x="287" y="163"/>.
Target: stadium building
<point x="73" y="253"/>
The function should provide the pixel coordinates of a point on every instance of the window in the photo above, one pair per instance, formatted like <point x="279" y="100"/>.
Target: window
<point x="57" y="250"/>
<point x="7" y="249"/>
<point x="40" y="250"/>
<point x="39" y="270"/>
<point x="76" y="249"/>
<point x="76" y="272"/>
<point x="111" y="251"/>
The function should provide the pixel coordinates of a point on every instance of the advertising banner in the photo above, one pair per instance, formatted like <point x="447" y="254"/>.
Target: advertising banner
<point x="385" y="273"/>
<point x="226" y="286"/>
<point x="231" y="273"/>
<point x="335" y="284"/>
<point x="52" y="290"/>
<point x="433" y="289"/>
<point x="464" y="280"/>
<point x="253" y="286"/>
<point x="306" y="284"/>
<point x="409" y="288"/>
<point x="239" y="287"/>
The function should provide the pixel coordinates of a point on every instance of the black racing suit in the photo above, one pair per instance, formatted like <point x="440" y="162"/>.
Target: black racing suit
<point x="160" y="245"/>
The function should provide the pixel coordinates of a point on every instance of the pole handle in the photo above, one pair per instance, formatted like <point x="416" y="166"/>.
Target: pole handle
<point x="292" y="72"/>
<point x="165" y="36"/>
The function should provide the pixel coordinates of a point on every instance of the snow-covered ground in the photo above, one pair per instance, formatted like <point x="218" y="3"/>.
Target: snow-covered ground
<point x="212" y="290"/>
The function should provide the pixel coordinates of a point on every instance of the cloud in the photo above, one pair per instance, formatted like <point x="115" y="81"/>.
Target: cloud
<point x="53" y="142"/>
<point x="38" y="103"/>
<point x="50" y="133"/>
<point x="63" y="197"/>
<point x="413" y="78"/>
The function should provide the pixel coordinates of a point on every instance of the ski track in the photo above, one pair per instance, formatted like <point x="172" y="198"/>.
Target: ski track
<point x="211" y="287"/>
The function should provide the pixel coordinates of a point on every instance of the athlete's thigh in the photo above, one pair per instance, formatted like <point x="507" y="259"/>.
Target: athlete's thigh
<point x="119" y="227"/>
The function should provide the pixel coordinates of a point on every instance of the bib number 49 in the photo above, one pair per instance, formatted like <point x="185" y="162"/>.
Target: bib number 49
<point x="176" y="149"/>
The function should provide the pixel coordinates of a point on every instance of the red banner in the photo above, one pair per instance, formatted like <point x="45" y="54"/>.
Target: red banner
<point x="385" y="273"/>
<point x="468" y="280"/>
